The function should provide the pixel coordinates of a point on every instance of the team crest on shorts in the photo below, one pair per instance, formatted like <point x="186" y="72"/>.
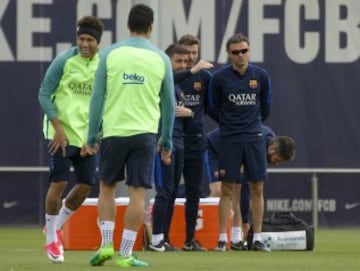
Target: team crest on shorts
<point x="197" y="86"/>
<point x="222" y="173"/>
<point x="253" y="84"/>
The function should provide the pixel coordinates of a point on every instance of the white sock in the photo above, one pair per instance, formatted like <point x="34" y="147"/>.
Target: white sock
<point x="156" y="238"/>
<point x="235" y="234"/>
<point x="63" y="216"/>
<point x="223" y="237"/>
<point x="50" y="221"/>
<point x="127" y="242"/>
<point x="107" y="232"/>
<point x="257" y="237"/>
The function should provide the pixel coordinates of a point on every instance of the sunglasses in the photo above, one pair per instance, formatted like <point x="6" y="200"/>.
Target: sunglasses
<point x="237" y="52"/>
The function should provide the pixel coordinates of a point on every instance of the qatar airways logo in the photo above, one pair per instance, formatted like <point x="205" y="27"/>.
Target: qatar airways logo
<point x="80" y="88"/>
<point x="243" y="99"/>
<point x="133" y="79"/>
<point x="192" y="100"/>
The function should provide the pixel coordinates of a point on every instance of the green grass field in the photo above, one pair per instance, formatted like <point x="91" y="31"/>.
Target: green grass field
<point x="22" y="249"/>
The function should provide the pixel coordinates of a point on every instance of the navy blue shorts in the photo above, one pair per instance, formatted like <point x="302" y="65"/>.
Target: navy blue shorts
<point x="136" y="153"/>
<point x="84" y="167"/>
<point x="252" y="155"/>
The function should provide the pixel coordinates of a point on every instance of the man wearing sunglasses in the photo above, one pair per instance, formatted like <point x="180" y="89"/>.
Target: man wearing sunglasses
<point x="239" y="99"/>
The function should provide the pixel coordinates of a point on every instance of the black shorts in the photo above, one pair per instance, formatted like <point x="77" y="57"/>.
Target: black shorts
<point x="135" y="153"/>
<point x="84" y="167"/>
<point x="252" y="155"/>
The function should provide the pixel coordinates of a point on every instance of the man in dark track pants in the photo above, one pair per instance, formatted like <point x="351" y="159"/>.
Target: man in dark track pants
<point x="167" y="177"/>
<point x="195" y="88"/>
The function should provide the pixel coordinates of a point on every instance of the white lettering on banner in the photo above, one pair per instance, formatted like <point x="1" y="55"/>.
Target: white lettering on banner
<point x="259" y="26"/>
<point x="122" y="10"/>
<point x="347" y="26"/>
<point x="295" y="50"/>
<point x="27" y="25"/>
<point x="5" y="51"/>
<point x="327" y="205"/>
<point x="299" y="205"/>
<point x="230" y="29"/>
<point x="309" y="28"/>
<point x="200" y="21"/>
<point x="103" y="12"/>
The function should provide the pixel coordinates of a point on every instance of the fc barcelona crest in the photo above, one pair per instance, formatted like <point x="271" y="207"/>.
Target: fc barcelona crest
<point x="253" y="84"/>
<point x="197" y="86"/>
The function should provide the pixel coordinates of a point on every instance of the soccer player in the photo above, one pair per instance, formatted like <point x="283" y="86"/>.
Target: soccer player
<point x="195" y="88"/>
<point x="280" y="149"/>
<point x="240" y="101"/>
<point x="167" y="177"/>
<point x="134" y="87"/>
<point x="64" y="97"/>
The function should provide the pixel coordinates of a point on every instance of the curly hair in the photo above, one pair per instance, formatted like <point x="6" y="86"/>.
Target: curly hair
<point x="91" y="21"/>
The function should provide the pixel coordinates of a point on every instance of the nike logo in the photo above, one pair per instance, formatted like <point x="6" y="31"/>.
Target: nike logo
<point x="9" y="204"/>
<point x="349" y="206"/>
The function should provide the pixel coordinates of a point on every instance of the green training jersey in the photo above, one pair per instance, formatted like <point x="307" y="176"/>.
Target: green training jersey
<point x="65" y="93"/>
<point x="133" y="87"/>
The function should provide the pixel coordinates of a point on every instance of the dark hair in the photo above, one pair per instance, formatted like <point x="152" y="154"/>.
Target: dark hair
<point x="239" y="37"/>
<point x="175" y="49"/>
<point x="140" y="18"/>
<point x="189" y="40"/>
<point x="92" y="26"/>
<point x="285" y="147"/>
